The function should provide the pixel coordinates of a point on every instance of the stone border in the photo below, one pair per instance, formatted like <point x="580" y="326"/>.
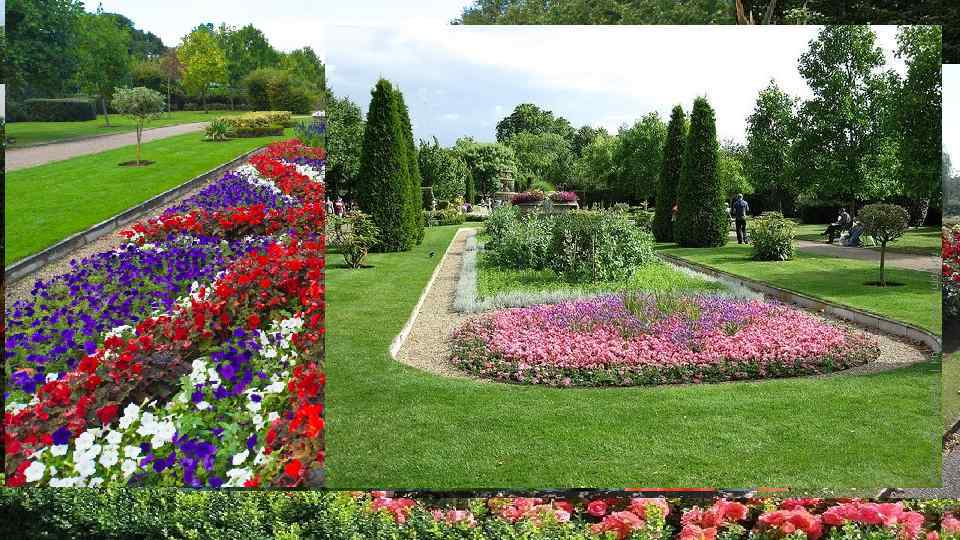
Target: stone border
<point x="863" y="318"/>
<point x="408" y="326"/>
<point x="32" y="263"/>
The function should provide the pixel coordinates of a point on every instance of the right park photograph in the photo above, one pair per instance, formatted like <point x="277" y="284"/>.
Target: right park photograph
<point x="555" y="262"/>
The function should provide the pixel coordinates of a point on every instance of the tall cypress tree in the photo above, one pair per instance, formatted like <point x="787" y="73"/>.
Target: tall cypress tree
<point x="413" y="215"/>
<point x="670" y="175"/>
<point x="383" y="182"/>
<point x="701" y="219"/>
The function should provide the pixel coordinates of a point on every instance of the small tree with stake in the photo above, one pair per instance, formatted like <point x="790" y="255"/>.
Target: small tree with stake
<point x="885" y="223"/>
<point x="140" y="104"/>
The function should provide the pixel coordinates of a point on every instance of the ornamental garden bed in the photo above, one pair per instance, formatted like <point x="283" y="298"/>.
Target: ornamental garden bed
<point x="648" y="339"/>
<point x="189" y="356"/>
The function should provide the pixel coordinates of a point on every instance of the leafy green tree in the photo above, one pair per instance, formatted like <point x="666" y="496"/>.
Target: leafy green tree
<point x="345" y="127"/>
<point x="544" y="157"/>
<point x="143" y="45"/>
<point x="204" y="63"/>
<point x="383" y="183"/>
<point x="639" y="158"/>
<point x="730" y="171"/>
<point x="669" y="178"/>
<point x="594" y="12"/>
<point x="885" y="223"/>
<point x="149" y="74"/>
<point x="528" y="118"/>
<point x="443" y="170"/>
<point x="771" y="130"/>
<point x="583" y="137"/>
<point x="103" y="50"/>
<point x="844" y="123"/>
<point x="415" y="181"/>
<point x="492" y="166"/>
<point x="172" y="70"/>
<point x="701" y="219"/>
<point x="41" y="45"/>
<point x="305" y="66"/>
<point x="919" y="116"/>
<point x="140" y="104"/>
<point x="596" y="168"/>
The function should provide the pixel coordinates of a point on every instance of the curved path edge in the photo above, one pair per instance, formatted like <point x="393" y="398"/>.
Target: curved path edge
<point x="32" y="263"/>
<point x="858" y="316"/>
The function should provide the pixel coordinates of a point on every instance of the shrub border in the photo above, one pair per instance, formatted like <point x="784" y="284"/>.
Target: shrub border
<point x="32" y="263"/>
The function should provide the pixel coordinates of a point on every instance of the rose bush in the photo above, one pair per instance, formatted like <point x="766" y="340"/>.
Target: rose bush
<point x="647" y="339"/>
<point x="189" y="356"/>
<point x="951" y="270"/>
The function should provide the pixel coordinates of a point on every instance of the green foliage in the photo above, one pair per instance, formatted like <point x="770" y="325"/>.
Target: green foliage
<point x="41" y="43"/>
<point x="771" y="130"/>
<point x="219" y="129"/>
<point x="307" y="69"/>
<point x="669" y="177"/>
<point x="140" y="103"/>
<point x="584" y="137"/>
<point x="526" y="243"/>
<point x="203" y="62"/>
<point x="771" y="237"/>
<point x="493" y="166"/>
<point x="345" y="128"/>
<point x="528" y="118"/>
<point x="443" y="170"/>
<point x="149" y="74"/>
<point x="245" y="50"/>
<point x="593" y="12"/>
<point x="885" y="223"/>
<point x="384" y="186"/>
<point x="701" y="219"/>
<point x="58" y="110"/>
<point x="448" y="216"/>
<point x="413" y="219"/>
<point x="730" y="174"/>
<point x="499" y="223"/>
<point x="588" y="247"/>
<point x="595" y="168"/>
<point x="543" y="157"/>
<point x="103" y="53"/>
<point x="354" y="235"/>
<point x="638" y="159"/>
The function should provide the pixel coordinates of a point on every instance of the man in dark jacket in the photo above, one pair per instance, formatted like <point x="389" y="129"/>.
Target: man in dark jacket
<point x="739" y="210"/>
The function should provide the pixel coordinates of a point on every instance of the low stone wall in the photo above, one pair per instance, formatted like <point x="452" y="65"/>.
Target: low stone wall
<point x="32" y="263"/>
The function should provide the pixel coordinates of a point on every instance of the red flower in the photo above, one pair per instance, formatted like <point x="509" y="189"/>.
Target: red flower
<point x="107" y="413"/>
<point x="293" y="468"/>
<point x="597" y="508"/>
<point x="253" y="322"/>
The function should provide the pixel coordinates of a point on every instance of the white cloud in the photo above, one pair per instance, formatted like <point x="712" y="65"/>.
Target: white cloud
<point x="450" y="117"/>
<point x="951" y="112"/>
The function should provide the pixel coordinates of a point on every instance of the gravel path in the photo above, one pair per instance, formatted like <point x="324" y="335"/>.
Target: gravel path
<point x="427" y="347"/>
<point x="923" y="263"/>
<point x="21" y="158"/>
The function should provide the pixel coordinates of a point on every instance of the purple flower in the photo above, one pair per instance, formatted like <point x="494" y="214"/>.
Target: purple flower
<point x="62" y="436"/>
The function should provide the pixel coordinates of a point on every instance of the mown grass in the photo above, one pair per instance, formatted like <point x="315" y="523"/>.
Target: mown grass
<point x="951" y="389"/>
<point x="391" y="426"/>
<point x="33" y="133"/>
<point x="919" y="241"/>
<point x="47" y="203"/>
<point x="844" y="281"/>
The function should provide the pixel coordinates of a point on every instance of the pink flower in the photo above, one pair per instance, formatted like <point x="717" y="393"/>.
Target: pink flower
<point x="597" y="508"/>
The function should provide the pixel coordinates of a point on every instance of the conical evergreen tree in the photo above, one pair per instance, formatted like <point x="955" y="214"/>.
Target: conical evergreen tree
<point x="414" y="211"/>
<point x="383" y="182"/>
<point x="701" y="219"/>
<point x="673" y="148"/>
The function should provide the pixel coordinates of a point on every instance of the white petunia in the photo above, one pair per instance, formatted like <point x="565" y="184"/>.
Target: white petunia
<point x="114" y="438"/>
<point x="130" y="415"/>
<point x="85" y="467"/>
<point x="131" y="452"/>
<point x="63" y="482"/>
<point x="35" y="471"/>
<point x="203" y="405"/>
<point x="109" y="457"/>
<point x="59" y="449"/>
<point x="128" y="467"/>
<point x="236" y="477"/>
<point x="240" y="458"/>
<point x="85" y="441"/>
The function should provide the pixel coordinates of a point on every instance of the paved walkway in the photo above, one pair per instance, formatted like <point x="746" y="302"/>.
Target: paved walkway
<point x="21" y="158"/>
<point x="924" y="263"/>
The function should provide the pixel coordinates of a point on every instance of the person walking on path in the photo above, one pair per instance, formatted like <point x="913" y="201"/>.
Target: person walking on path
<point x="739" y="209"/>
<point x="338" y="206"/>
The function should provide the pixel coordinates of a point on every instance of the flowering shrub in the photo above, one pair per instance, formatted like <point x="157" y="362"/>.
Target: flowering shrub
<point x="563" y="197"/>
<point x="648" y="339"/>
<point x="189" y="355"/>
<point x="528" y="197"/>
<point x="117" y="513"/>
<point x="771" y="237"/>
<point x="951" y="270"/>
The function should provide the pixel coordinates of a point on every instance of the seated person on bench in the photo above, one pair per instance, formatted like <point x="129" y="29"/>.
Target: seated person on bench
<point x="835" y="229"/>
<point x="853" y="238"/>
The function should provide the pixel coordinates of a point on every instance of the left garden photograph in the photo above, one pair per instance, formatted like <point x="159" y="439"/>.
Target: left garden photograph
<point x="164" y="253"/>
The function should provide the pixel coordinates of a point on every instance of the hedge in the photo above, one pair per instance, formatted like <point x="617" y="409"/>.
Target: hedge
<point x="59" y="110"/>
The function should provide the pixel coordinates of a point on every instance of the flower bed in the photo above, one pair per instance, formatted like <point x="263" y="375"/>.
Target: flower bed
<point x="648" y="339"/>
<point x="951" y="270"/>
<point x="191" y="355"/>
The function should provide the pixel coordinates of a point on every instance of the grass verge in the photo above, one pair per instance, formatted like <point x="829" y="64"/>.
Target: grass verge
<point x="916" y="301"/>
<point x="951" y="389"/>
<point x="390" y="425"/>
<point x="48" y="203"/>
<point x="921" y="241"/>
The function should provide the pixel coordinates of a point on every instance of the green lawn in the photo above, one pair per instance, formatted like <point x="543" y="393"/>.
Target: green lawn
<point x="921" y="241"/>
<point x="31" y="133"/>
<point x="390" y="425"/>
<point x="48" y="203"/>
<point x="834" y="279"/>
<point x="951" y="388"/>
<point x="493" y="280"/>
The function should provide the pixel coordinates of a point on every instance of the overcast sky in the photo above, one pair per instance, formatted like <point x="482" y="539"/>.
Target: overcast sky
<point x="951" y="113"/>
<point x="462" y="80"/>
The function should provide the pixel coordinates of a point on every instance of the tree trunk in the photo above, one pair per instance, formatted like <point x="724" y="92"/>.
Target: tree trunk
<point x="743" y="12"/>
<point x="106" y="115"/>
<point x="169" y="99"/>
<point x="203" y="98"/>
<point x="768" y="16"/>
<point x="883" y="255"/>
<point x="139" y="138"/>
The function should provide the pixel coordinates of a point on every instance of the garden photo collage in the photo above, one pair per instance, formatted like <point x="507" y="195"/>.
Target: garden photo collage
<point x="471" y="269"/>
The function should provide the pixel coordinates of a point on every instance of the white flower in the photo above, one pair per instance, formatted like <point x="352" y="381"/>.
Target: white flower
<point x="258" y="421"/>
<point x="254" y="406"/>
<point x="275" y="387"/>
<point x="261" y="458"/>
<point x="131" y="452"/>
<point x="128" y="467"/>
<point x="85" y="441"/>
<point x="163" y="434"/>
<point x="59" y="449"/>
<point x="203" y="405"/>
<point x="130" y="414"/>
<point x="85" y="467"/>
<point x="35" y="471"/>
<point x="94" y="482"/>
<point x="236" y="477"/>
<point x="63" y="482"/>
<point x="273" y="416"/>
<point x="109" y="457"/>
<point x="52" y="376"/>
<point x="240" y="458"/>
<point x="114" y="438"/>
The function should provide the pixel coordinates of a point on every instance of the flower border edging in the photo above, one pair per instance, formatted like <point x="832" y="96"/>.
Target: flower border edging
<point x="30" y="264"/>
<point x="869" y="320"/>
<point x="408" y="326"/>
